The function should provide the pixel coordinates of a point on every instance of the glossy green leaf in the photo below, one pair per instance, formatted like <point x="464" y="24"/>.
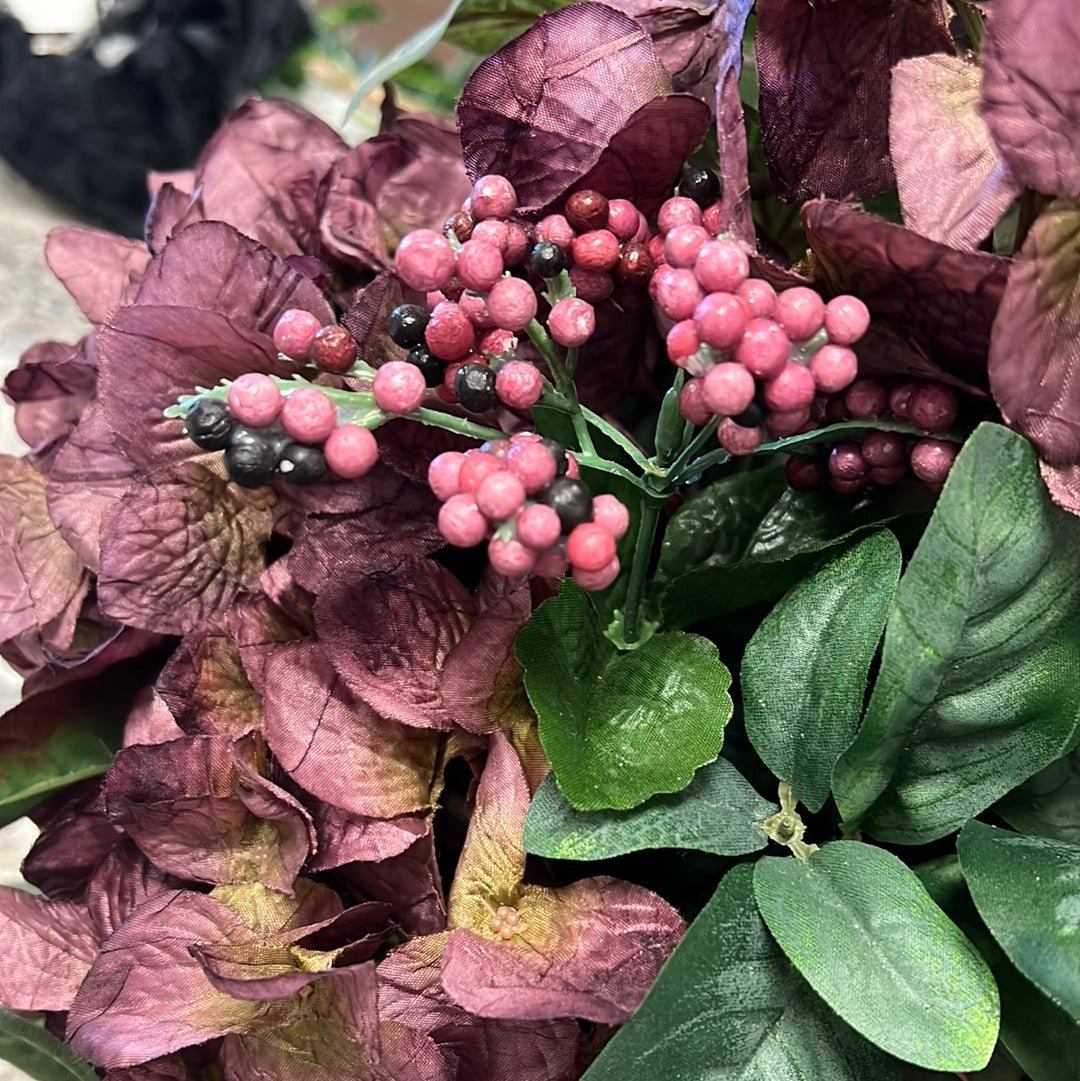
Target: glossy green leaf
<point x="25" y="1043"/>
<point x="717" y="812"/>
<point x="862" y="929"/>
<point x="727" y="1006"/>
<point x="977" y="688"/>
<point x="619" y="727"/>
<point x="1048" y="804"/>
<point x="1027" y="889"/>
<point x="484" y="26"/>
<point x="804" y="672"/>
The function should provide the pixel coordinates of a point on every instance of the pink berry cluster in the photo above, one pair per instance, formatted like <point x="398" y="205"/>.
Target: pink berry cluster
<point x="301" y="338"/>
<point x="880" y="457"/>
<point x="524" y="497"/>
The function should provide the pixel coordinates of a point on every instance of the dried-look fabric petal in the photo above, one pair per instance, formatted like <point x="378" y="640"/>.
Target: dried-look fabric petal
<point x="1031" y="91"/>
<point x="953" y="186"/>
<point x="101" y="271"/>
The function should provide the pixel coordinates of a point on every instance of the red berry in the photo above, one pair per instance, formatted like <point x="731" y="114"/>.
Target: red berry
<point x="792" y="389"/>
<point x="460" y="224"/>
<point x="477" y="466"/>
<point x="763" y="349"/>
<point x="781" y="425"/>
<point x="350" y="451"/>
<point x="932" y="407"/>
<point x="886" y="475"/>
<point x="510" y="558"/>
<point x="500" y="495"/>
<point x="538" y="526"/>
<point x="512" y="304"/>
<point x="479" y="265"/>
<point x="572" y="322"/>
<point x="425" y="260"/>
<point x="594" y="581"/>
<point x="461" y="522"/>
<point x="721" y="266"/>
<point x="597" y="249"/>
<point x="712" y="217"/>
<point x="683" y="341"/>
<point x="587" y="210"/>
<point x="883" y="450"/>
<point x="729" y="389"/>
<point x="444" y="473"/>
<point x="590" y="546"/>
<point x="308" y="416"/>
<point x="493" y="232"/>
<point x="334" y="350"/>
<point x="800" y="311"/>
<point x="449" y="333"/>
<point x="497" y="342"/>
<point x="846" y="320"/>
<point x="677" y="291"/>
<point x="294" y="332"/>
<point x="931" y="460"/>
<point x="720" y="319"/>
<point x="760" y="295"/>
<point x="900" y="399"/>
<point x="591" y="285"/>
<point x="519" y="385"/>
<point x="475" y="309"/>
<point x="804" y="474"/>
<point x="682" y="244"/>
<point x="254" y="400"/>
<point x="635" y="265"/>
<point x="623" y="218"/>
<point x="533" y="463"/>
<point x="833" y="367"/>
<point x="556" y="230"/>
<point x="399" y="387"/>
<point x="678" y="210"/>
<point x="848" y="487"/>
<point x="846" y="462"/>
<point x="551" y="563"/>
<point x="611" y="514"/>
<point x="492" y="197"/>
<point x="866" y="399"/>
<point x="692" y="402"/>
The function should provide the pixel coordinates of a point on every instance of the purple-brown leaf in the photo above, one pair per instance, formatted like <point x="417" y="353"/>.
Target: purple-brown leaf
<point x="100" y="270"/>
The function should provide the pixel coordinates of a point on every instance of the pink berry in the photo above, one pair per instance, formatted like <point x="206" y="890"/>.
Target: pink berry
<point x="308" y="415"/>
<point x="692" y="402"/>
<point x="476" y="467"/>
<point x="500" y="495"/>
<point x="846" y="462"/>
<point x="497" y="342"/>
<point x="444" y="472"/>
<point x="682" y="341"/>
<point x="461" y="522"/>
<point x="678" y="210"/>
<point x="932" y="407"/>
<point x="294" y="332"/>
<point x="866" y="399"/>
<point x="475" y="309"/>
<point x="510" y="557"/>
<point x="846" y="320"/>
<point x="399" y="387"/>
<point x="493" y="232"/>
<point x="720" y="319"/>
<point x="594" y="581"/>
<point x="682" y="244"/>
<point x="479" y="265"/>
<point x="883" y="450"/>
<point x="590" y="546"/>
<point x="677" y="292"/>
<point x="512" y="303"/>
<point x="833" y="367"/>
<point x="533" y="464"/>
<point x="492" y="197"/>
<point x="781" y="425"/>
<point x="792" y="389"/>
<point x="425" y="260"/>
<point x="623" y="218"/>
<point x="573" y="470"/>
<point x="712" y="217"/>
<point x="449" y="333"/>
<point x="763" y="349"/>
<point x="738" y="439"/>
<point x="254" y="400"/>
<point x="760" y="295"/>
<point x="804" y="474"/>
<point x="556" y="230"/>
<point x="334" y="349"/>
<point x="931" y="460"/>
<point x="350" y="451"/>
<point x="538" y="526"/>
<point x="593" y="286"/>
<point x="596" y="250"/>
<point x="611" y="514"/>
<point x="800" y="311"/>
<point x="551" y="563"/>
<point x="729" y="389"/>
<point x="519" y="385"/>
<point x="572" y="322"/>
<point x="721" y="266"/>
<point x="517" y="244"/>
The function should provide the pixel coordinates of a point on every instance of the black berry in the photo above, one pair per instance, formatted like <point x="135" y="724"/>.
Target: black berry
<point x="209" y="424"/>
<point x="547" y="260"/>
<point x="570" y="499"/>
<point x="300" y="464"/>
<point x="251" y="457"/>
<point x="407" y="324"/>
<point x="474" y="385"/>
<point x="751" y="416"/>
<point x="562" y="463"/>
<point x="430" y="366"/>
<point x="701" y="185"/>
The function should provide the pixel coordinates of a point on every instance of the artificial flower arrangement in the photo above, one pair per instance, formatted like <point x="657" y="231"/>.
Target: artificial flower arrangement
<point x="569" y="593"/>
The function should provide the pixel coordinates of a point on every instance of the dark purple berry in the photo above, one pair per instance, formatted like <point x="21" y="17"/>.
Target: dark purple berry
<point x="300" y="464"/>
<point x="407" y="324"/>
<point x="430" y="366"/>
<point x="209" y="424"/>
<point x="547" y="260"/>
<point x="474" y="385"/>
<point x="586" y="210"/>
<point x="701" y="185"/>
<point x="570" y="499"/>
<point x="252" y="456"/>
<point x="751" y="416"/>
<point x="562" y="463"/>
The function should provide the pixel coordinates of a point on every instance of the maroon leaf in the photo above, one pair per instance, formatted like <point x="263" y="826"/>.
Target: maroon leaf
<point x="953" y="188"/>
<point x="169" y="206"/>
<point x="1031" y="91"/>
<point x="99" y="270"/>
<point x="347" y="837"/>
<point x="824" y="103"/>
<point x="542" y="109"/>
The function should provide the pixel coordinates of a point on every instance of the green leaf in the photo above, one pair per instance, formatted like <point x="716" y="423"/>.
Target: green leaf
<point x="620" y="727"/>
<point x="1027" y="889"/>
<point x="718" y="812"/>
<point x="483" y="26"/>
<point x="25" y="1043"/>
<point x="976" y="690"/>
<point x="727" y="1006"/>
<point x="864" y="932"/>
<point x="804" y="672"/>
<point x="1048" y="804"/>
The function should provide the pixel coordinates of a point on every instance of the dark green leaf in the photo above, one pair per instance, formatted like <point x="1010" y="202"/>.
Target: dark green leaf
<point x="804" y="672"/>
<point x="977" y="687"/>
<point x="620" y="727"/>
<point x="728" y="1006"/>
<point x="486" y="25"/>
<point x="718" y="812"/>
<point x="25" y="1043"/>
<point x="864" y="932"/>
<point x="1048" y="804"/>
<point x="1027" y="889"/>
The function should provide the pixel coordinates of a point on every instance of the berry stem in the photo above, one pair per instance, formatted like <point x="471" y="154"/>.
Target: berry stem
<point x="434" y="418"/>
<point x="678" y="467"/>
<point x="639" y="569"/>
<point x="617" y="437"/>
<point x="547" y="349"/>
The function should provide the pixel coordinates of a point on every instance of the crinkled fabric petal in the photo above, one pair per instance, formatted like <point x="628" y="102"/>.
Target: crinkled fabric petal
<point x="146" y="996"/>
<point x="366" y="318"/>
<point x="388" y="634"/>
<point x="254" y="972"/>
<point x="169" y="206"/>
<point x="953" y="187"/>
<point x="1031" y="91"/>
<point x="824" y="103"/>
<point x="259" y="626"/>
<point x="150" y="720"/>
<point x="338" y="748"/>
<point x="543" y="108"/>
<point x="1035" y="348"/>
<point x="944" y="299"/>
<point x="100" y="270"/>
<point x="280" y="917"/>
<point x="179" y="547"/>
<point x="348" y="837"/>
<point x="121" y="882"/>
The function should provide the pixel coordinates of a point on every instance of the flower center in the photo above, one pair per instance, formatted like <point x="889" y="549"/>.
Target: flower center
<point x="505" y="921"/>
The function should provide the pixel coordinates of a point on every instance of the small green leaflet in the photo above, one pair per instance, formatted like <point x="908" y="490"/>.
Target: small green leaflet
<point x="1048" y="804"/>
<point x="25" y="1044"/>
